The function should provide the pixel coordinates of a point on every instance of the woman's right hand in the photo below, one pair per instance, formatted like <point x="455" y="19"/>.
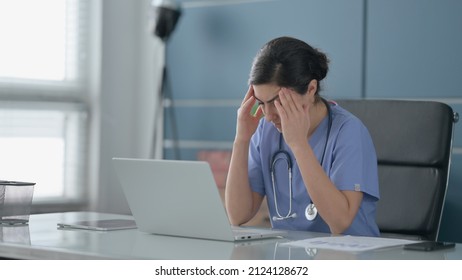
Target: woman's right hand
<point x="241" y="202"/>
<point x="247" y="122"/>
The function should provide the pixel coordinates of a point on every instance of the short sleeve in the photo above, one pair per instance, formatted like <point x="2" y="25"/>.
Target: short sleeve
<point x="354" y="163"/>
<point x="255" y="166"/>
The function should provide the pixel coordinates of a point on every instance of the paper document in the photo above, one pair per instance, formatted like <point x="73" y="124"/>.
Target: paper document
<point x="349" y="243"/>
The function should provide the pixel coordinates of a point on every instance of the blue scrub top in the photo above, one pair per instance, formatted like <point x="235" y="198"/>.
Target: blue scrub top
<point x="350" y="161"/>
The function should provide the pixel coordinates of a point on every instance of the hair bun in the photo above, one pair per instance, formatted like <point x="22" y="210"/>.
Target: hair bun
<point x="323" y="63"/>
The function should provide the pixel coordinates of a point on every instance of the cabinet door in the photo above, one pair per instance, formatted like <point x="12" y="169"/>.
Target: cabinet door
<point x="413" y="49"/>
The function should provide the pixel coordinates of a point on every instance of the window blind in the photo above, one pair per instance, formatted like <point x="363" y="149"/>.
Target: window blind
<point x="44" y="55"/>
<point x="44" y="47"/>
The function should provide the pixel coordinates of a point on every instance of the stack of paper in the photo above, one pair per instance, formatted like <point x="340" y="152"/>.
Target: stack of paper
<point x="349" y="243"/>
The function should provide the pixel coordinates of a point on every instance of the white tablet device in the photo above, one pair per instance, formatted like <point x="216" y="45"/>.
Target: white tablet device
<point x="102" y="225"/>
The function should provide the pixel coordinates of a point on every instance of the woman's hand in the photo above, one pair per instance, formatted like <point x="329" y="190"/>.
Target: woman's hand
<point x="241" y="202"/>
<point x="246" y="122"/>
<point x="295" y="117"/>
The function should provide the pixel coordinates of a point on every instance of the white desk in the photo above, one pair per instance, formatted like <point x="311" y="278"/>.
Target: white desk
<point x="41" y="239"/>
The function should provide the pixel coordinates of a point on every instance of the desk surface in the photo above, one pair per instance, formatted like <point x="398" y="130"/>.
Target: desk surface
<point x="41" y="239"/>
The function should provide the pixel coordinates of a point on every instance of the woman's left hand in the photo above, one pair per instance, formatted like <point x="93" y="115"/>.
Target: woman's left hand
<point x="295" y="118"/>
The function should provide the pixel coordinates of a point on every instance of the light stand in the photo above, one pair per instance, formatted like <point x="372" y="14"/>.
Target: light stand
<point x="166" y="15"/>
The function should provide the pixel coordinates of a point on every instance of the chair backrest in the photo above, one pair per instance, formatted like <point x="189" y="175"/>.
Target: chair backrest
<point x="413" y="140"/>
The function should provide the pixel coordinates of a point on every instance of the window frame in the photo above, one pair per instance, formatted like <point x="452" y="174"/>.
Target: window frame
<point x="76" y="93"/>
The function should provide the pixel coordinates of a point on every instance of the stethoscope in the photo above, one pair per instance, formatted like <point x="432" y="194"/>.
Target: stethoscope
<point x="310" y="212"/>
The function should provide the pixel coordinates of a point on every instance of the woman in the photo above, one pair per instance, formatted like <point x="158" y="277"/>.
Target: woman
<point x="314" y="161"/>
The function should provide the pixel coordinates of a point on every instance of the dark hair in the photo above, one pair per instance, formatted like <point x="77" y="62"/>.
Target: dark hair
<point x="288" y="62"/>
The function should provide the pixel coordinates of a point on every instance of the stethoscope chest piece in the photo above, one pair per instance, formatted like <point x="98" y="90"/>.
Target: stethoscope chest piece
<point x="311" y="212"/>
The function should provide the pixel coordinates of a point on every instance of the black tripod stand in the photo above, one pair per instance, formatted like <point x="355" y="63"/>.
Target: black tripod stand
<point x="166" y="15"/>
<point x="165" y="101"/>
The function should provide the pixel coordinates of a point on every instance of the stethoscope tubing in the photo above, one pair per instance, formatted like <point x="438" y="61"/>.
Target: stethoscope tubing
<point x="287" y="158"/>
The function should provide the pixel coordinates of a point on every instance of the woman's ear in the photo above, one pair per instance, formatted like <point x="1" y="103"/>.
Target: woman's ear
<point x="312" y="88"/>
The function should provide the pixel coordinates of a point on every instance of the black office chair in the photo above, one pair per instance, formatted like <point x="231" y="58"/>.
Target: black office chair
<point x="413" y="140"/>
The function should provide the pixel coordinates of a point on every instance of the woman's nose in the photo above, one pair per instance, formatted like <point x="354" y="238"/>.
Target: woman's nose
<point x="270" y="112"/>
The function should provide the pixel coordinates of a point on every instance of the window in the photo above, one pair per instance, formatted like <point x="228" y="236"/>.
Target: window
<point x="43" y="96"/>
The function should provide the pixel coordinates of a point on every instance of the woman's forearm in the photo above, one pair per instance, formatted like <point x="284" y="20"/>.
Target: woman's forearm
<point x="239" y="198"/>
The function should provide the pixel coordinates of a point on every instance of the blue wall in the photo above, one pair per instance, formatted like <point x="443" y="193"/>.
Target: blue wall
<point x="378" y="49"/>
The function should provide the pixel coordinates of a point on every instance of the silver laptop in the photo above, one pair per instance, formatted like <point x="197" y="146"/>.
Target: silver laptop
<point x="179" y="198"/>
